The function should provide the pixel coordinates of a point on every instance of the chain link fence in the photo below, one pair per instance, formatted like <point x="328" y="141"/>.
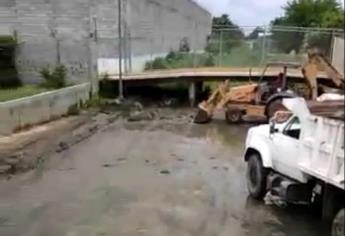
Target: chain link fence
<point x="246" y="47"/>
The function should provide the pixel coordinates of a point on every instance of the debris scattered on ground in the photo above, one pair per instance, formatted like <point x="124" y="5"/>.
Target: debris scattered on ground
<point x="108" y="165"/>
<point x="66" y="169"/>
<point x="226" y="167"/>
<point x="5" y="169"/>
<point x="165" y="172"/>
<point x="180" y="159"/>
<point x="274" y="200"/>
<point x="212" y="158"/>
<point x="141" y="116"/>
<point x="122" y="159"/>
<point x="62" y="147"/>
<point x="12" y="160"/>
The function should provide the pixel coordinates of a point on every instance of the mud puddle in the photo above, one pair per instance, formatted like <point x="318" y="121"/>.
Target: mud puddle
<point x="164" y="176"/>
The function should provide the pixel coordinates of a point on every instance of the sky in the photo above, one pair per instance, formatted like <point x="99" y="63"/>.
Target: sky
<point x="246" y="12"/>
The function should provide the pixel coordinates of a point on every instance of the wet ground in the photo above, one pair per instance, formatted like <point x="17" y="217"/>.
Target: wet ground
<point x="165" y="177"/>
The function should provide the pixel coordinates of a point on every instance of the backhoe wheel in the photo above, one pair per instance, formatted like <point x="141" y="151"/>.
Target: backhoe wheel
<point x="233" y="116"/>
<point x="273" y="107"/>
<point x="338" y="224"/>
<point x="256" y="176"/>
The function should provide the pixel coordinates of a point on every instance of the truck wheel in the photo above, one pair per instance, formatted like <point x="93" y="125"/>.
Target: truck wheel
<point x="233" y="116"/>
<point x="256" y="177"/>
<point x="338" y="224"/>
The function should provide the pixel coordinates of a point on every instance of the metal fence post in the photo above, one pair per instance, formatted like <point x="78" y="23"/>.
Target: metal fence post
<point x="151" y="51"/>
<point x="220" y="48"/>
<point x="58" y="51"/>
<point x="194" y="45"/>
<point x="120" y="49"/>
<point x="263" y="53"/>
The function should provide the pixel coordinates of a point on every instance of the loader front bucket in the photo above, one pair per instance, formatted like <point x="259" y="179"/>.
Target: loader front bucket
<point x="202" y="117"/>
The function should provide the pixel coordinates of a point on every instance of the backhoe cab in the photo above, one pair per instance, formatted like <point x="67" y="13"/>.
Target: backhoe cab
<point x="254" y="99"/>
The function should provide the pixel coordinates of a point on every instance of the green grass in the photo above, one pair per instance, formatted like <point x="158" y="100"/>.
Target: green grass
<point x="240" y="56"/>
<point x="20" y="92"/>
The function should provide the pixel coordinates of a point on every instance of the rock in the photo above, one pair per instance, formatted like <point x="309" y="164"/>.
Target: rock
<point x="62" y="147"/>
<point x="215" y="167"/>
<point x="212" y="158"/>
<point x="147" y="161"/>
<point x="5" y="169"/>
<point x="138" y="106"/>
<point x="140" y="116"/>
<point x="121" y="159"/>
<point x="108" y="165"/>
<point x="165" y="172"/>
<point x="169" y="102"/>
<point x="12" y="160"/>
<point x="93" y="128"/>
<point x="226" y="167"/>
<point x="180" y="159"/>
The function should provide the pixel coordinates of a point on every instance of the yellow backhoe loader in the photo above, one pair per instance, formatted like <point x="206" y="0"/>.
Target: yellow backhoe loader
<point x="264" y="98"/>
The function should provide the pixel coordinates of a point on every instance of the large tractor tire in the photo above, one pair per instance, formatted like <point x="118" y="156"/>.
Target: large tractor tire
<point x="275" y="103"/>
<point x="273" y="107"/>
<point x="256" y="176"/>
<point x="233" y="116"/>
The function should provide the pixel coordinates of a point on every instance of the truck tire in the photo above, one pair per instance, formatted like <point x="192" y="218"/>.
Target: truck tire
<point x="256" y="176"/>
<point x="338" y="224"/>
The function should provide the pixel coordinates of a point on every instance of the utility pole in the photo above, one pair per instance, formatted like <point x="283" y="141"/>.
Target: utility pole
<point x="120" y="49"/>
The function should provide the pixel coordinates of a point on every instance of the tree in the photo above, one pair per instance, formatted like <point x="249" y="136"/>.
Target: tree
<point x="223" y="29"/>
<point x="307" y="13"/>
<point x="255" y="33"/>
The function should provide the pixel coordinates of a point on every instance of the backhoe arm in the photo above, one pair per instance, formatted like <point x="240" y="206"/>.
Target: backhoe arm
<point x="317" y="62"/>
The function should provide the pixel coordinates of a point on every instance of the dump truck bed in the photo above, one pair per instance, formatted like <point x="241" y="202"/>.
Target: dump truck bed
<point x="321" y="142"/>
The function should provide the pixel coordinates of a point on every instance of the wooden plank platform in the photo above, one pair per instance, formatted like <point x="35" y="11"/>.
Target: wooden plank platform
<point x="210" y="73"/>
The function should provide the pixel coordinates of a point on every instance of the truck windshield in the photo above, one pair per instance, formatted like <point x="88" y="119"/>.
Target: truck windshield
<point x="293" y="128"/>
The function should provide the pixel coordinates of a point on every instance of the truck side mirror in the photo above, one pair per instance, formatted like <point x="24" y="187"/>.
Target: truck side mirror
<point x="273" y="128"/>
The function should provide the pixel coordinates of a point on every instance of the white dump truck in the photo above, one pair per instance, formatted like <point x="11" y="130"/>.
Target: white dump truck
<point x="300" y="159"/>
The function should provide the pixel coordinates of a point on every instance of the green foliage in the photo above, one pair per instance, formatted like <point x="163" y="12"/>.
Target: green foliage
<point x="157" y="63"/>
<point x="184" y="45"/>
<point x="307" y="13"/>
<point x="7" y="40"/>
<point x="94" y="101"/>
<point x="311" y="13"/>
<point x="241" y="56"/>
<point x="175" y="60"/>
<point x="225" y="35"/>
<point x="255" y="33"/>
<point x="54" y="79"/>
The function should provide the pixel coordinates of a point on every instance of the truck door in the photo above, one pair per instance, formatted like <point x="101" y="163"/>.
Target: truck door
<point x="286" y="149"/>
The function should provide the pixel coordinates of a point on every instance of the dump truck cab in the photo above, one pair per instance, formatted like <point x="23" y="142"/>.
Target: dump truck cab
<point x="299" y="157"/>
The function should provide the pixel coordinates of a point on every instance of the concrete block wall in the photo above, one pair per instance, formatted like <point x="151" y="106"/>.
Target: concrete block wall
<point x="40" y="108"/>
<point x="78" y="32"/>
<point x="159" y="25"/>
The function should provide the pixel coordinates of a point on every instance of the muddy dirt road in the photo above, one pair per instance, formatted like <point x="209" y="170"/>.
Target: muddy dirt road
<point x="166" y="177"/>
